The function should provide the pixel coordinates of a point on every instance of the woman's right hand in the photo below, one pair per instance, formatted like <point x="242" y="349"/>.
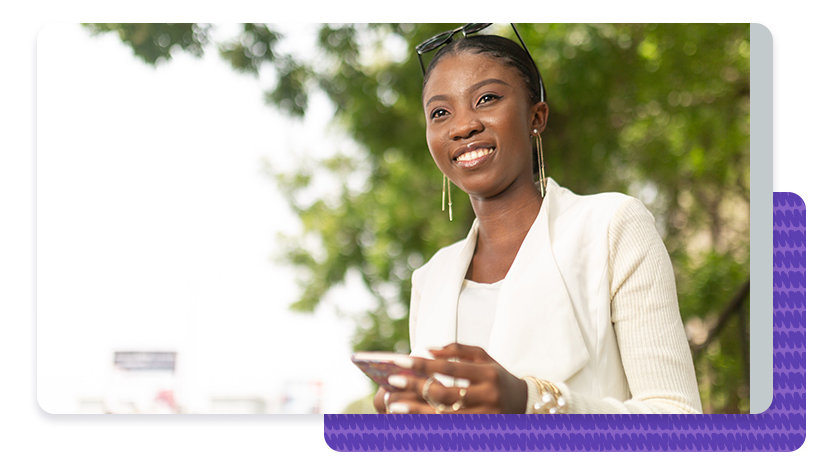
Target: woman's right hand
<point x="490" y="388"/>
<point x="379" y="400"/>
<point x="400" y="401"/>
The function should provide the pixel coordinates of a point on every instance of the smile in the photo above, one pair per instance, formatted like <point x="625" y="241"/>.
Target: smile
<point x="474" y="157"/>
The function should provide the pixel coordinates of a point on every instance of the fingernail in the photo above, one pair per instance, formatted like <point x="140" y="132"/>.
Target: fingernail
<point x="398" y="408"/>
<point x="398" y="381"/>
<point x="404" y="362"/>
<point x="445" y="380"/>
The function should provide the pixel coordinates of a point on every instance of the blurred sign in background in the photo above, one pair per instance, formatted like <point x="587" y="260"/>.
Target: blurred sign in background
<point x="157" y="223"/>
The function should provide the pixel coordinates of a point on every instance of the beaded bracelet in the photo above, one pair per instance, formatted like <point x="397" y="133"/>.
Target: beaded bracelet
<point x="552" y="401"/>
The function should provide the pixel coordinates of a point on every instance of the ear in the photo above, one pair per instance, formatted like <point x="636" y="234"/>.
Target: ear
<point x="538" y="116"/>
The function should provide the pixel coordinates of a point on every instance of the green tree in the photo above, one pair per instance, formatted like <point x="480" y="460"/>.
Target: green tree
<point x="657" y="111"/>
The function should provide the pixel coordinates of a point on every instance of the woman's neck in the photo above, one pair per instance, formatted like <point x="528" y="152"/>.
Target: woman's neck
<point x="507" y="216"/>
<point x="503" y="222"/>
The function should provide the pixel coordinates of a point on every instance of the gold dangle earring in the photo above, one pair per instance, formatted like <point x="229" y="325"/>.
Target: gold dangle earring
<point x="538" y="138"/>
<point x="446" y="184"/>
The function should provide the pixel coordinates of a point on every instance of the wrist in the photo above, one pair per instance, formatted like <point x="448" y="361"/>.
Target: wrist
<point x="514" y="398"/>
<point x="520" y="402"/>
<point x="545" y="397"/>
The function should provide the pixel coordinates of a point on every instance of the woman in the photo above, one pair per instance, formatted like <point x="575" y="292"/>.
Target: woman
<point x="554" y="302"/>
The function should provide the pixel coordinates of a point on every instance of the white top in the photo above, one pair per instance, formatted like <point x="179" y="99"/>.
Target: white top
<point x="588" y="304"/>
<point x="476" y="312"/>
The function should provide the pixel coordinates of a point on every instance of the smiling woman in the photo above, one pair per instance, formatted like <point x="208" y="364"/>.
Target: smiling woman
<point x="554" y="303"/>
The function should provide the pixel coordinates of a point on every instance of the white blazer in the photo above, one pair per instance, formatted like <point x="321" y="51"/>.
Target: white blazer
<point x="553" y="316"/>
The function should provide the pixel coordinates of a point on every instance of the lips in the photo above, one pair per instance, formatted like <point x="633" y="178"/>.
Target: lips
<point x="473" y="155"/>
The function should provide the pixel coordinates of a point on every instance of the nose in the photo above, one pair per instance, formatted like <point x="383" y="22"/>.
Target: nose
<point x="464" y="126"/>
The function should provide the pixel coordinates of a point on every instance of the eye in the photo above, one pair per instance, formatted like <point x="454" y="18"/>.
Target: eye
<point x="488" y="97"/>
<point x="438" y="113"/>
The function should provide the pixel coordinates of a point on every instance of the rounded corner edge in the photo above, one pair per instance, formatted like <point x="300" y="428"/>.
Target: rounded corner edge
<point x="43" y="408"/>
<point x="328" y="435"/>
<point x="796" y="199"/>
<point x="763" y="30"/>
<point x="796" y="445"/>
<point x="766" y="408"/>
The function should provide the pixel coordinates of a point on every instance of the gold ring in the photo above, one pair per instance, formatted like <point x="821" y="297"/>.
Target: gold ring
<point x="442" y="407"/>
<point x="459" y="403"/>
<point x="425" y="391"/>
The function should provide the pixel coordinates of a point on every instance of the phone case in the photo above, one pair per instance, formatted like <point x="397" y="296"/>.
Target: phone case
<point x="378" y="366"/>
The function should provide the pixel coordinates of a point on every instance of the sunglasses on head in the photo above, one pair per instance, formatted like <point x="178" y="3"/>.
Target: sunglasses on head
<point x="439" y="40"/>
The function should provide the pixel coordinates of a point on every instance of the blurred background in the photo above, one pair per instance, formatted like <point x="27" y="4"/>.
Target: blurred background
<point x="225" y="212"/>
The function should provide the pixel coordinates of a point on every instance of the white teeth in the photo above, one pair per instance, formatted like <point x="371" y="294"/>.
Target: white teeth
<point x="474" y="154"/>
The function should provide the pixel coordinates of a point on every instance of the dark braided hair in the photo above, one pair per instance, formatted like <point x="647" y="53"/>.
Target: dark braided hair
<point x="500" y="48"/>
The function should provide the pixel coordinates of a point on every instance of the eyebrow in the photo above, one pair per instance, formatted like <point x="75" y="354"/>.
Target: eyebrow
<point x="488" y="81"/>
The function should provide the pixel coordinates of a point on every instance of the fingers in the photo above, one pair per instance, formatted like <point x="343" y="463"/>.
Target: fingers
<point x="410" y="403"/>
<point x="462" y="352"/>
<point x="411" y="407"/>
<point x="379" y="400"/>
<point x="405" y="395"/>
<point x="407" y="402"/>
<point x="465" y="370"/>
<point x="420" y="395"/>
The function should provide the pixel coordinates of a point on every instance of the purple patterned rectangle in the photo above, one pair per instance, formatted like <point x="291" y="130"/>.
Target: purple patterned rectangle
<point x="780" y="428"/>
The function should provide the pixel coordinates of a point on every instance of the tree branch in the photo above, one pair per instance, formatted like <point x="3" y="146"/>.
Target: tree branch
<point x="734" y="306"/>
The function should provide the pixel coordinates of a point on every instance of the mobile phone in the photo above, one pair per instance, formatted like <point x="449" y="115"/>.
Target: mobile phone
<point x="380" y="365"/>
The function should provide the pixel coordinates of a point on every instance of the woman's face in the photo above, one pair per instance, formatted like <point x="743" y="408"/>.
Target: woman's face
<point x="479" y="120"/>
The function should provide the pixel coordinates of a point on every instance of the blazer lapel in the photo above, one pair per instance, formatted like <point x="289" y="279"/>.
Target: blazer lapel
<point x="438" y="311"/>
<point x="536" y="331"/>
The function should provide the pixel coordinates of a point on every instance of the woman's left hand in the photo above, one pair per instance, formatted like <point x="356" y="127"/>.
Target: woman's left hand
<point x="491" y="388"/>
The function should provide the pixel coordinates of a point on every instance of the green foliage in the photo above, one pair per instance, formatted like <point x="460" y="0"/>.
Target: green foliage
<point x="154" y="43"/>
<point x="253" y="48"/>
<point x="657" y="111"/>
